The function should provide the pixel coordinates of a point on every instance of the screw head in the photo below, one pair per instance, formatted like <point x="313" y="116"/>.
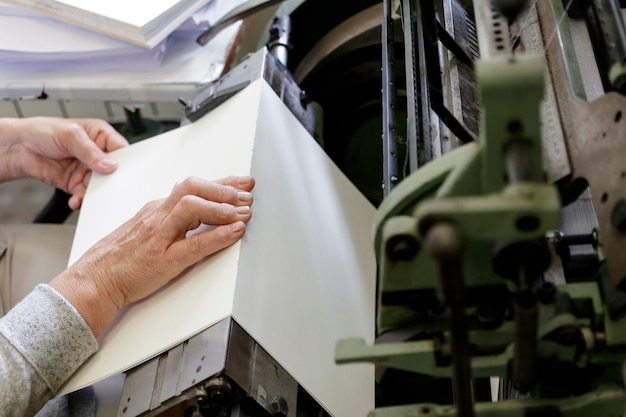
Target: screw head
<point x="402" y="247"/>
<point x="279" y="407"/>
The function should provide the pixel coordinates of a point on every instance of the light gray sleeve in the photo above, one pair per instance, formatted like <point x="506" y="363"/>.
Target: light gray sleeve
<point x="43" y="340"/>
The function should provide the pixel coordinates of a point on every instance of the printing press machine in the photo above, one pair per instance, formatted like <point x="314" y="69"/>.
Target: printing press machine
<point x="489" y="134"/>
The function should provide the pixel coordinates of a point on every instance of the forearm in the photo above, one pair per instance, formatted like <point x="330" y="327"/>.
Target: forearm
<point x="42" y="342"/>
<point x="10" y="151"/>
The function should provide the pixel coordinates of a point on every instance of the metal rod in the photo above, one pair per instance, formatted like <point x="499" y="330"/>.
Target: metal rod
<point x="518" y="161"/>
<point x="390" y="144"/>
<point x="409" y="19"/>
<point x="444" y="243"/>
<point x="280" y="31"/>
<point x="525" y="334"/>
<point x="424" y="89"/>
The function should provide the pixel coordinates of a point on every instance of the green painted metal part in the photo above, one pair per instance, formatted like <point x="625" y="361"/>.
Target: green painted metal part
<point x="468" y="187"/>
<point x="602" y="403"/>
<point x="492" y="191"/>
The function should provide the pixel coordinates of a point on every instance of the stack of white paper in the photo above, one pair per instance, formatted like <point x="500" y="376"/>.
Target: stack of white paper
<point x="141" y="23"/>
<point x="71" y="63"/>
<point x="54" y="45"/>
<point x="302" y="277"/>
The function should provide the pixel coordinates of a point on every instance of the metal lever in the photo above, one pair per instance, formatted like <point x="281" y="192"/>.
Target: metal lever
<point x="241" y="12"/>
<point x="445" y="245"/>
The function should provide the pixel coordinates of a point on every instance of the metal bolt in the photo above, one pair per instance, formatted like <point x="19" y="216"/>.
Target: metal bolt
<point x="618" y="215"/>
<point x="279" y="407"/>
<point x="200" y="395"/>
<point x="402" y="248"/>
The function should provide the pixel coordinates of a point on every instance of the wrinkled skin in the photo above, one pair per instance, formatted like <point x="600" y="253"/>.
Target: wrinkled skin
<point x="58" y="152"/>
<point x="151" y="248"/>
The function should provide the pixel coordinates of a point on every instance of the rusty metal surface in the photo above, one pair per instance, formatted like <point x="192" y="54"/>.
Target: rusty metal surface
<point x="595" y="139"/>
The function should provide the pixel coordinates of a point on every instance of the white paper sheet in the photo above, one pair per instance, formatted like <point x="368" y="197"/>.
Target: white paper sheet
<point x="144" y="24"/>
<point x="71" y="50"/>
<point x="216" y="146"/>
<point x="186" y="68"/>
<point x="302" y="278"/>
<point x="307" y="270"/>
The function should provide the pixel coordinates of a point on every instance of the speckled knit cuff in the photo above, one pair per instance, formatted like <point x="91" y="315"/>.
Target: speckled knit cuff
<point x="50" y="334"/>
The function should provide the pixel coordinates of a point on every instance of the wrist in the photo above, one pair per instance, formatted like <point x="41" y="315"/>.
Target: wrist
<point x="11" y="166"/>
<point x="91" y="302"/>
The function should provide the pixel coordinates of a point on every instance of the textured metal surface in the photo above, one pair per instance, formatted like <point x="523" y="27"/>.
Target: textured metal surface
<point x="431" y="36"/>
<point x="590" y="74"/>
<point x="258" y="374"/>
<point x="410" y="68"/>
<point x="594" y="135"/>
<point x="492" y="29"/>
<point x="169" y="387"/>
<point x="457" y="75"/>
<point x="204" y="355"/>
<point x="172" y="380"/>
<point x="578" y="218"/>
<point x="554" y="153"/>
<point x="389" y="91"/>
<point x="138" y="389"/>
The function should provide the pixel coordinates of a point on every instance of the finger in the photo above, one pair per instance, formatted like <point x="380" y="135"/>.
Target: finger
<point x="78" y="187"/>
<point x="197" y="247"/>
<point x="103" y="134"/>
<point x="191" y="211"/>
<point x="83" y="148"/>
<point x="242" y="183"/>
<point x="208" y="190"/>
<point x="113" y="139"/>
<point x="75" y="201"/>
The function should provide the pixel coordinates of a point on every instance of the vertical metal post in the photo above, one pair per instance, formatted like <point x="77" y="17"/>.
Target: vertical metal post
<point x="409" y="21"/>
<point x="280" y="31"/>
<point x="424" y="91"/>
<point x="389" y="134"/>
<point x="444" y="244"/>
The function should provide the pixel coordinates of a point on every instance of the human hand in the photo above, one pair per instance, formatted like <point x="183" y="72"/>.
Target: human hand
<point x="59" y="152"/>
<point x="152" y="248"/>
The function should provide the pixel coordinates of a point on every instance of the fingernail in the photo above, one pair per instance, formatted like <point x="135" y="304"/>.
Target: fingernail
<point x="243" y="210"/>
<point x="108" y="162"/>
<point x="244" y="196"/>
<point x="237" y="227"/>
<point x="244" y="180"/>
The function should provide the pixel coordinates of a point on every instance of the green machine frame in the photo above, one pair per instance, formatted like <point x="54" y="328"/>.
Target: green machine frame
<point x="461" y="249"/>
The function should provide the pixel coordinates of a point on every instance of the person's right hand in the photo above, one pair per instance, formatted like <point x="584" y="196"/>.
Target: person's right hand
<point x="60" y="152"/>
<point x="152" y="248"/>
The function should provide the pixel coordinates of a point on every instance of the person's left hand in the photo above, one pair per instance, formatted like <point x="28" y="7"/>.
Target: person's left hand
<point x="59" y="152"/>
